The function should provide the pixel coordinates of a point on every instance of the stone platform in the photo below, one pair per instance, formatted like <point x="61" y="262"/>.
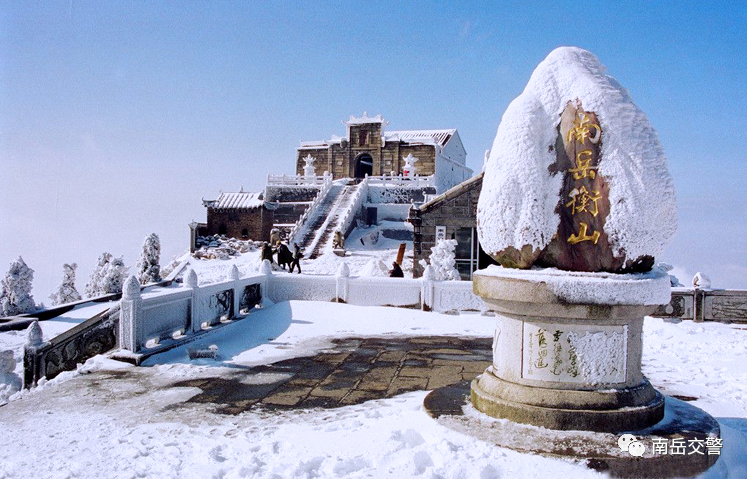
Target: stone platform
<point x="353" y="371"/>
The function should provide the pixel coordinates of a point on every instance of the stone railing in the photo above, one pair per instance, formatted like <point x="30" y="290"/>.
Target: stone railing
<point x="726" y="306"/>
<point x="64" y="352"/>
<point x="422" y="293"/>
<point x="298" y="230"/>
<point x="297" y="180"/>
<point x="356" y="203"/>
<point x="399" y="180"/>
<point x="156" y="321"/>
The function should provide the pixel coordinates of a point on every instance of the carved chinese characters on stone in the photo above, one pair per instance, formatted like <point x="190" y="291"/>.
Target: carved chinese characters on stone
<point x="581" y="243"/>
<point x="574" y="353"/>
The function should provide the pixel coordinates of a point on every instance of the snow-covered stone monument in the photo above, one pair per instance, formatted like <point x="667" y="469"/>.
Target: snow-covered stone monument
<point x="576" y="204"/>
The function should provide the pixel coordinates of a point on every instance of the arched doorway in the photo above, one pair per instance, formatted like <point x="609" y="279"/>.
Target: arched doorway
<point x="363" y="166"/>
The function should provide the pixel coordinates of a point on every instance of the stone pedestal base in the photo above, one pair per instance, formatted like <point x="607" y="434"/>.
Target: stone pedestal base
<point x="597" y="450"/>
<point x="567" y="349"/>
<point x="602" y="410"/>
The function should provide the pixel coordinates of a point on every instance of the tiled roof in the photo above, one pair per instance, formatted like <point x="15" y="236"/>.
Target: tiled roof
<point x="439" y="137"/>
<point x="241" y="200"/>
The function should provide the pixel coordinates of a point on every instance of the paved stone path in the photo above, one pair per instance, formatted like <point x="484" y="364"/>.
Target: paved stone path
<point x="355" y="370"/>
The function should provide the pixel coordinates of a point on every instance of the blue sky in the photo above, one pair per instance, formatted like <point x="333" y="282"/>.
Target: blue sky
<point x="116" y="118"/>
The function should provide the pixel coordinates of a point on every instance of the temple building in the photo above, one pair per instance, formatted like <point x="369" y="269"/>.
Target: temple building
<point x="367" y="149"/>
<point x="450" y="215"/>
<point x="241" y="215"/>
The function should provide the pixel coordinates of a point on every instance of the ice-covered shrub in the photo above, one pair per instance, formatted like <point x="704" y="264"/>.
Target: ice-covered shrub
<point x="66" y="292"/>
<point x="443" y="260"/>
<point x="15" y="290"/>
<point x="148" y="267"/>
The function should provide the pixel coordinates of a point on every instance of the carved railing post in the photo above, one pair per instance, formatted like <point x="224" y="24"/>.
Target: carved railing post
<point x="341" y="279"/>
<point x="233" y="275"/>
<point x="265" y="269"/>
<point x="31" y="357"/>
<point x="426" y="293"/>
<point x="191" y="282"/>
<point x="131" y="316"/>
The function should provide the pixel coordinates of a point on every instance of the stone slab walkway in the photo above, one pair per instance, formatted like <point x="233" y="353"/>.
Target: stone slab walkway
<point x="355" y="370"/>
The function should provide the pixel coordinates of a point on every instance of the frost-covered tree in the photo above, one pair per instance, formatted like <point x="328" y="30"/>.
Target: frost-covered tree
<point x="443" y="260"/>
<point x="148" y="269"/>
<point x="66" y="292"/>
<point x="107" y="277"/>
<point x="114" y="277"/>
<point x="15" y="290"/>
<point x="94" y="285"/>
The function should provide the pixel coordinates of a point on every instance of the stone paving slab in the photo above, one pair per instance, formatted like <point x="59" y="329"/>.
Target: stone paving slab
<point x="353" y="371"/>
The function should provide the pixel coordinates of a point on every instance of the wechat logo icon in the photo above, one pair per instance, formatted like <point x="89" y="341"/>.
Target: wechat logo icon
<point x="628" y="442"/>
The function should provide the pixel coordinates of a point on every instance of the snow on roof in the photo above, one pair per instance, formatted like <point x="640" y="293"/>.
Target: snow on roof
<point x="321" y="143"/>
<point x="240" y="200"/>
<point x="519" y="196"/>
<point x="452" y="192"/>
<point x="438" y="137"/>
<point x="354" y="120"/>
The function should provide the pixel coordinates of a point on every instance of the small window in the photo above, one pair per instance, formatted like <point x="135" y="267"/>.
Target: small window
<point x="222" y="229"/>
<point x="362" y="138"/>
<point x="245" y="233"/>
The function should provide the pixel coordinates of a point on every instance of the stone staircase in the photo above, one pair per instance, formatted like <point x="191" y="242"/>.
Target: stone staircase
<point x="320" y="230"/>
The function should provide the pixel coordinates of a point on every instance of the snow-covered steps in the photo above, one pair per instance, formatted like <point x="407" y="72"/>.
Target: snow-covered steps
<point x="324" y="235"/>
<point x="316" y="216"/>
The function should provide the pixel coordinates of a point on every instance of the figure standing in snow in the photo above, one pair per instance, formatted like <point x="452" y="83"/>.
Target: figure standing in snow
<point x="396" y="271"/>
<point x="267" y="252"/>
<point x="274" y="236"/>
<point x="338" y="242"/>
<point x="297" y="255"/>
<point x="285" y="257"/>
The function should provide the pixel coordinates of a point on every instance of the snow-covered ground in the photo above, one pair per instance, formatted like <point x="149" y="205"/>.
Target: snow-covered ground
<point x="108" y="427"/>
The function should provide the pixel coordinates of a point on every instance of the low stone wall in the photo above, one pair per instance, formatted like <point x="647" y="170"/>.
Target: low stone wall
<point x="423" y="293"/>
<point x="158" y="320"/>
<point x="726" y="306"/>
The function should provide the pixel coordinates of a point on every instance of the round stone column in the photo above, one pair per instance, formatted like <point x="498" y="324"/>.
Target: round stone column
<point x="567" y="348"/>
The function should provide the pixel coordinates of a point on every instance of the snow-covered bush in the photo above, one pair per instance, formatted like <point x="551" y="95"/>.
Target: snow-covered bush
<point x="701" y="280"/>
<point x="148" y="267"/>
<point x="443" y="260"/>
<point x="222" y="247"/>
<point x="15" y="290"/>
<point x="66" y="292"/>
<point x="115" y="276"/>
<point x="10" y="383"/>
<point x="93" y="287"/>
<point x="107" y="277"/>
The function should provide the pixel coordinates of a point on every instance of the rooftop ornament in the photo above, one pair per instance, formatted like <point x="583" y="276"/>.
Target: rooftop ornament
<point x="308" y="169"/>
<point x="410" y="170"/>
